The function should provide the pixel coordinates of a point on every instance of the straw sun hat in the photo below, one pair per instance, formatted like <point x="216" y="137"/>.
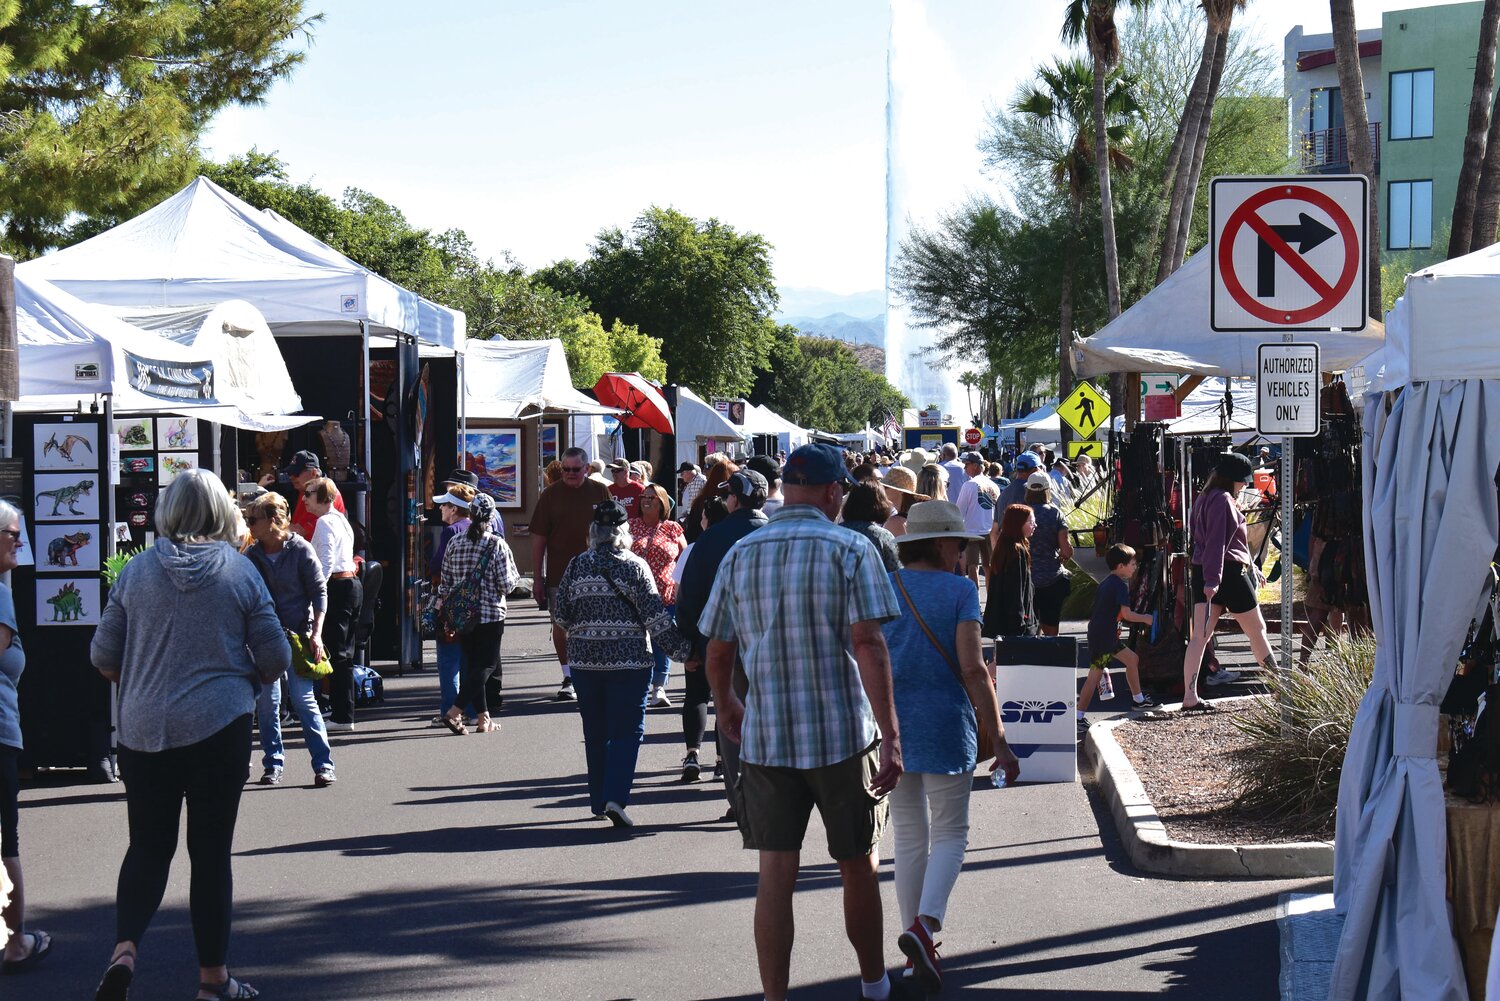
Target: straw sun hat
<point x="936" y="519"/>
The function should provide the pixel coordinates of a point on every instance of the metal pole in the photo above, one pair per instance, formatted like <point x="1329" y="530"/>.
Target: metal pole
<point x="1284" y="491"/>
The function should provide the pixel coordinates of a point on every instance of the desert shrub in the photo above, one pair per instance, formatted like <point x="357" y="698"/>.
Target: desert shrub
<point x="1300" y="731"/>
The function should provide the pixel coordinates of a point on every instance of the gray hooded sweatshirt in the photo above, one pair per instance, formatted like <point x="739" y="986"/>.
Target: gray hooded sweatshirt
<point x="193" y="633"/>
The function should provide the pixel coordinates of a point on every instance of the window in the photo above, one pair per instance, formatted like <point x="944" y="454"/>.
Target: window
<point x="1410" y="112"/>
<point x="1408" y="222"/>
<point x="1327" y="111"/>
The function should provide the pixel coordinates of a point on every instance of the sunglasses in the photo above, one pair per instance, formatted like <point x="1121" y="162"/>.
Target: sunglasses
<point x="14" y="535"/>
<point x="572" y="469"/>
<point x="311" y="493"/>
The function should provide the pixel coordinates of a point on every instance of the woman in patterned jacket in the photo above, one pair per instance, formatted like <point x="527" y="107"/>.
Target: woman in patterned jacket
<point x="479" y="559"/>
<point x="607" y="602"/>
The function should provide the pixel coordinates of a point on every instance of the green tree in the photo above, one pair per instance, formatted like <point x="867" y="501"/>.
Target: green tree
<point x="593" y="351"/>
<point x="703" y="288"/>
<point x="819" y="382"/>
<point x="103" y="102"/>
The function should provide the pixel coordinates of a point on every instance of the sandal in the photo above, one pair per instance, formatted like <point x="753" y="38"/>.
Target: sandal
<point x="115" y="985"/>
<point x="41" y="944"/>
<point x="484" y="724"/>
<point x="456" y="724"/>
<point x="222" y="991"/>
<point x="1201" y="706"/>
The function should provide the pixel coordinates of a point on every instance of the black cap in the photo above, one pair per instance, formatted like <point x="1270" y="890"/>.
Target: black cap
<point x="302" y="462"/>
<point x="610" y="513"/>
<point x="1235" y="467"/>
<point x="765" y="466"/>
<point x="463" y="476"/>
<point x="687" y="467"/>
<point x="746" y="484"/>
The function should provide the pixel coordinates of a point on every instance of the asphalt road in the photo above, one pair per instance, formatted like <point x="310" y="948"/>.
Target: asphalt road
<point x="469" y="867"/>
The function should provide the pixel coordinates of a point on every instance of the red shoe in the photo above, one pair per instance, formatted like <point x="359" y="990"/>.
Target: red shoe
<point x="917" y="943"/>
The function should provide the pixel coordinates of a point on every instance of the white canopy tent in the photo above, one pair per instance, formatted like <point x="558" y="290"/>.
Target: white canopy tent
<point x="1168" y="331"/>
<point x="697" y="423"/>
<point x="763" y="420"/>
<point x="1431" y="447"/>
<point x="71" y="350"/>
<point x="507" y="380"/>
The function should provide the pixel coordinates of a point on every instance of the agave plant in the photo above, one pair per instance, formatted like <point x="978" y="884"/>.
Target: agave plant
<point x="114" y="564"/>
<point x="1299" y="732"/>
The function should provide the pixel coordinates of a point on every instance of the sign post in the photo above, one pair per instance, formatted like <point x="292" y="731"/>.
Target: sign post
<point x="1288" y="254"/>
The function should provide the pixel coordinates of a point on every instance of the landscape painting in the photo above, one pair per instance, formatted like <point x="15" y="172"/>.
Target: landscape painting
<point x="551" y="434"/>
<point x="495" y="457"/>
<point x="64" y="601"/>
<point x="66" y="497"/>
<point x="67" y="547"/>
<point x="135" y="434"/>
<point x="66" y="446"/>
<point x="170" y="464"/>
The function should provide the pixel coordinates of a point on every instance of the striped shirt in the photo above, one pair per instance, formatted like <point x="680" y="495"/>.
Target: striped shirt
<point x="788" y="595"/>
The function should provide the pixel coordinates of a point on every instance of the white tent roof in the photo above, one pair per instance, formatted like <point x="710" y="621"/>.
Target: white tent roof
<point x="1443" y="326"/>
<point x="1168" y="331"/>
<point x="696" y="419"/>
<point x="763" y="420"/>
<point x="71" y="350"/>
<point x="204" y="245"/>
<point x="505" y="379"/>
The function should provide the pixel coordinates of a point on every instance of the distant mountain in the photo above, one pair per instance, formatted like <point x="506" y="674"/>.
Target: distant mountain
<point x="842" y="327"/>
<point x="805" y="302"/>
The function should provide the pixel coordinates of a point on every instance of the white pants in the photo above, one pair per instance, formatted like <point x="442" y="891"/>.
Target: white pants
<point x="930" y="814"/>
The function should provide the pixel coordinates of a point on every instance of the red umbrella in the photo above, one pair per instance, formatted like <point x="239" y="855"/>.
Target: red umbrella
<point x="645" y="406"/>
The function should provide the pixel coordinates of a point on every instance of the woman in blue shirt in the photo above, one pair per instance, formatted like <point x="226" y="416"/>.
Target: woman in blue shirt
<point x="933" y="644"/>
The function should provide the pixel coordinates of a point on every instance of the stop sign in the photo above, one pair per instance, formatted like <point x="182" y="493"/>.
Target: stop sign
<point x="973" y="436"/>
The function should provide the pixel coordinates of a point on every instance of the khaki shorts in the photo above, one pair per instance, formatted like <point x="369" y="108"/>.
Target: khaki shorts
<point x="775" y="804"/>
<point x="977" y="555"/>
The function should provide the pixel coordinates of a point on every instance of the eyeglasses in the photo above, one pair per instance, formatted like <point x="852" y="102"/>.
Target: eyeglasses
<point x="572" y="469"/>
<point x="251" y="519"/>
<point x="14" y="535"/>
<point x="311" y="493"/>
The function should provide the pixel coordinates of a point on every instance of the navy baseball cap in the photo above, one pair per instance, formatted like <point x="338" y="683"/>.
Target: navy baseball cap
<point x="301" y="462"/>
<point x="815" y="465"/>
<point x="1028" y="460"/>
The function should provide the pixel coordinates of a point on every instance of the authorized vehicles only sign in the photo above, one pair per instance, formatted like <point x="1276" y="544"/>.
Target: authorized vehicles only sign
<point x="1287" y="390"/>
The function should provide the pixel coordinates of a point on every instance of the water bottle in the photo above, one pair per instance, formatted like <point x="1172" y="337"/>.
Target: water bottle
<point x="997" y="778"/>
<point x="1106" y="687"/>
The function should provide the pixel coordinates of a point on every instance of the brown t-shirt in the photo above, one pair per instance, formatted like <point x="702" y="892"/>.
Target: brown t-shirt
<point x="563" y="514"/>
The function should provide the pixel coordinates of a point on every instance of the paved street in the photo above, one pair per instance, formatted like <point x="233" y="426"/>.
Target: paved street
<point x="469" y="867"/>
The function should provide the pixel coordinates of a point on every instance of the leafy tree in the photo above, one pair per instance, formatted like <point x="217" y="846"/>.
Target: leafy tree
<point x="1461" y="230"/>
<point x="702" y="287"/>
<point x="819" y="382"/>
<point x="593" y="351"/>
<point x="102" y="103"/>
<point x="1357" y="125"/>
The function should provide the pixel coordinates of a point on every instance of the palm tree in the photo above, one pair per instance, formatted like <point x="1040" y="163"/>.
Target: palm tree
<point x="1357" y="127"/>
<point x="1061" y="104"/>
<point x="1459" y="235"/>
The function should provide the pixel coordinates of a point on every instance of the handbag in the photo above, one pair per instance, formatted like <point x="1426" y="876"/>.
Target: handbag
<point x="987" y="738"/>
<point x="302" y="661"/>
<point x="461" y="608"/>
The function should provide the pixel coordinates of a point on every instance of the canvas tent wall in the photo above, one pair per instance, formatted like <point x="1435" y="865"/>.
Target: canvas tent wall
<point x="698" y="423"/>
<point x="506" y="380"/>
<point x="761" y="420"/>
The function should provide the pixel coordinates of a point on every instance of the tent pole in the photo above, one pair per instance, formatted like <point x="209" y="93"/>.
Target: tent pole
<point x="463" y="409"/>
<point x="364" y="422"/>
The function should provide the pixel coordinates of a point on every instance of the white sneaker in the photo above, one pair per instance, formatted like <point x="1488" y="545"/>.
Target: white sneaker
<point x="660" y="698"/>
<point x="333" y="727"/>
<point x="566" y="693"/>
<point x="1223" y="676"/>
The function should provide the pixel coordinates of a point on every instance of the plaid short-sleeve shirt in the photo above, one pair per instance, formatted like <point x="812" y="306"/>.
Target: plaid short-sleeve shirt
<point x="788" y="595"/>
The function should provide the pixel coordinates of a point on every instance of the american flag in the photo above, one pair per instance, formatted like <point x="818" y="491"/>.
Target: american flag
<point x="891" y="427"/>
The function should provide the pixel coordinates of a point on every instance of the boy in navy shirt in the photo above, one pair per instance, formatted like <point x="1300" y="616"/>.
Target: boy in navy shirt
<point x="1111" y="604"/>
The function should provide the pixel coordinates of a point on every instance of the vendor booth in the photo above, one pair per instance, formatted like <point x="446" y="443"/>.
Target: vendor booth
<point x="770" y="432"/>
<point x="379" y="364"/>
<point x="1409" y="888"/>
<point x="701" y="429"/>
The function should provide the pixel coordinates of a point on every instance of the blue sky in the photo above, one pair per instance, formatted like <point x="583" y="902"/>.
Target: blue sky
<point x="532" y="125"/>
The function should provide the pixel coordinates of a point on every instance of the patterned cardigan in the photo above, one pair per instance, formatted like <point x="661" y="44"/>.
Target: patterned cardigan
<point x="607" y="602"/>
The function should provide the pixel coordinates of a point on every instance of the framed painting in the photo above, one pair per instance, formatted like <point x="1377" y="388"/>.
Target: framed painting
<point x="494" y="455"/>
<point x="64" y="601"/>
<point x="66" y="446"/>
<point x="170" y="464"/>
<point x="66" y="497"/>
<point x="550" y="442"/>
<point x="135" y="434"/>
<point x="67" y="547"/>
<point x="176" y="433"/>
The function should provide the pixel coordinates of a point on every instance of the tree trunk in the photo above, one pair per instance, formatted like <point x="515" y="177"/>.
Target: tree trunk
<point x="1461" y="233"/>
<point x="1106" y="195"/>
<point x="1200" y="147"/>
<point x="1487" y="199"/>
<point x="1187" y="135"/>
<point x="1357" y="124"/>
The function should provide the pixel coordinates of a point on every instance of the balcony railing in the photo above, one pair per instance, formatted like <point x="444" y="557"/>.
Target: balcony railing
<point x="1328" y="149"/>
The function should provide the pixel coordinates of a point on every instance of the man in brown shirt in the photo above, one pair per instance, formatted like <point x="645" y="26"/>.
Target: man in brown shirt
<point x="560" y="531"/>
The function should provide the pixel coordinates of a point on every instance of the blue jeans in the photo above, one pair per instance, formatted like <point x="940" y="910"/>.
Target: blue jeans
<point x="305" y="705"/>
<point x="450" y="668"/>
<point x="613" y="707"/>
<point x="663" y="664"/>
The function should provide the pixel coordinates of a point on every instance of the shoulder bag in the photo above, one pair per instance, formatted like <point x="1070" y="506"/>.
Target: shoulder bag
<point x="987" y="737"/>
<point x="461" y="607"/>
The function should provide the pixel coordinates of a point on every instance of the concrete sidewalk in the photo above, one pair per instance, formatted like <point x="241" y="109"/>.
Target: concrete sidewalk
<point x="447" y="866"/>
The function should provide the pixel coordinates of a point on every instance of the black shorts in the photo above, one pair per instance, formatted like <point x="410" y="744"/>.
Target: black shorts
<point x="1234" y="593"/>
<point x="10" y="788"/>
<point x="1047" y="600"/>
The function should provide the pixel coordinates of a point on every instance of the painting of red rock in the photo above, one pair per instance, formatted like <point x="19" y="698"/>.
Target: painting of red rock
<point x="495" y="457"/>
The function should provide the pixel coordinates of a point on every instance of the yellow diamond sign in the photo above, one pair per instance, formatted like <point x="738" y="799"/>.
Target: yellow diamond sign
<point x="1092" y="449"/>
<point x="1084" y="410"/>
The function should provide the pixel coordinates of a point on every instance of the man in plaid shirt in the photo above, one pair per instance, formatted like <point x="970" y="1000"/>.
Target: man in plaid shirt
<point x="801" y="602"/>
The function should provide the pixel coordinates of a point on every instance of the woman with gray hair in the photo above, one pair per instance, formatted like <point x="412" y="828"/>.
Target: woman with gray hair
<point x="480" y="561"/>
<point x="190" y="635"/>
<point x="607" y="603"/>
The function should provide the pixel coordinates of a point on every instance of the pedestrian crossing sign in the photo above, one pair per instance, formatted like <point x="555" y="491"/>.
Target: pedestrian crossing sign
<point x="1092" y="449"/>
<point x="1084" y="410"/>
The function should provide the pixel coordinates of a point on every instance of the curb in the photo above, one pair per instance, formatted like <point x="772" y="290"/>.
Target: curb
<point x="1153" y="850"/>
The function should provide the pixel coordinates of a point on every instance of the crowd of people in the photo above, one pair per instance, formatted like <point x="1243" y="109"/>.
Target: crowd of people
<point x="857" y="685"/>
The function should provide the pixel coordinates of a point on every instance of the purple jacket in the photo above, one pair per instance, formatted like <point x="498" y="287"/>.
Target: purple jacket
<point x="1218" y="534"/>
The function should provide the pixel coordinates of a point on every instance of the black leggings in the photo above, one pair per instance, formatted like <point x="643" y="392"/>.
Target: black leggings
<point x="481" y="661"/>
<point x="344" y="598"/>
<point x="10" y="813"/>
<point x="209" y="776"/>
<point x="695" y="700"/>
